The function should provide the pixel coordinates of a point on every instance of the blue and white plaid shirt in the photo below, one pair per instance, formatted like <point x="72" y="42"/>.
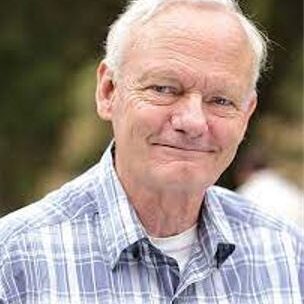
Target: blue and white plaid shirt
<point x="84" y="244"/>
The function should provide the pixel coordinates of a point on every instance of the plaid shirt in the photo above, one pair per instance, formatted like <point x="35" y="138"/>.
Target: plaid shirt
<point x="84" y="244"/>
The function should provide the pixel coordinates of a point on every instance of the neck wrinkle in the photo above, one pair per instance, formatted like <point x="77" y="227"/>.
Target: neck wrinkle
<point x="164" y="213"/>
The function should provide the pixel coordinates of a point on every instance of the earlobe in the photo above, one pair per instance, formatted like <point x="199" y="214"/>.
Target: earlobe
<point x="104" y="91"/>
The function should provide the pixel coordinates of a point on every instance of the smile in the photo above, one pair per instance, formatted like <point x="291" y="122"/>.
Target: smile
<point x="185" y="148"/>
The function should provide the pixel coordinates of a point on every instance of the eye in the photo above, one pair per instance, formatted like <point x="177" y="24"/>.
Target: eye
<point x="222" y="101"/>
<point x="222" y="106"/>
<point x="164" y="89"/>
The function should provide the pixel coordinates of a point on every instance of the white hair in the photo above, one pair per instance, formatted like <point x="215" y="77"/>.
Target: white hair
<point x="140" y="11"/>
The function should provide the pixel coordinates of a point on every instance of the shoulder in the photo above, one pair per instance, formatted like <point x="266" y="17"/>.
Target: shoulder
<point x="73" y="200"/>
<point x="269" y="251"/>
<point x="249" y="221"/>
<point x="242" y="211"/>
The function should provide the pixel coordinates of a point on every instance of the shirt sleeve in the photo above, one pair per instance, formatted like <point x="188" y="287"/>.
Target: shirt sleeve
<point x="3" y="299"/>
<point x="9" y="279"/>
<point x="300" y="256"/>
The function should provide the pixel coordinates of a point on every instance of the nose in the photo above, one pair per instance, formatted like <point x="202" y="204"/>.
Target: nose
<point x="189" y="116"/>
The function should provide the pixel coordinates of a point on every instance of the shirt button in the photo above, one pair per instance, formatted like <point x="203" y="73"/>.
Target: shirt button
<point x="136" y="253"/>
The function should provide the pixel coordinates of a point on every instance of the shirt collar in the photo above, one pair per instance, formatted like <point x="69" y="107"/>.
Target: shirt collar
<point x="215" y="233"/>
<point x="122" y="228"/>
<point x="119" y="222"/>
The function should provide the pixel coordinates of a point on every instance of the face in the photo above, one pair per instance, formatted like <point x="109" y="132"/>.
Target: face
<point x="181" y="103"/>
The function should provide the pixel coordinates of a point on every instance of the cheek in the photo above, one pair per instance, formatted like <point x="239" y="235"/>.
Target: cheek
<point x="136" y="119"/>
<point x="227" y="133"/>
<point x="152" y="117"/>
<point x="148" y="119"/>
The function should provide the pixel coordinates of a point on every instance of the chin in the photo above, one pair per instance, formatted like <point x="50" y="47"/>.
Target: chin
<point x="182" y="176"/>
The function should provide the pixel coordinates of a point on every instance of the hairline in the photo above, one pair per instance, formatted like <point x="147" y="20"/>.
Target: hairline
<point x="115" y="62"/>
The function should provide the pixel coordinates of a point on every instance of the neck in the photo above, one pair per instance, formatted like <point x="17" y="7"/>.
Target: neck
<point x="165" y="212"/>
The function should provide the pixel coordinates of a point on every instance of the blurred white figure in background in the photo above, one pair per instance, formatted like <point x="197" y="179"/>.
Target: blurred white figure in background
<point x="268" y="189"/>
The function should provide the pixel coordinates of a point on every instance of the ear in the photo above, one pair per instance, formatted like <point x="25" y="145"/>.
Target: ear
<point x="249" y="108"/>
<point x="251" y="104"/>
<point x="104" y="91"/>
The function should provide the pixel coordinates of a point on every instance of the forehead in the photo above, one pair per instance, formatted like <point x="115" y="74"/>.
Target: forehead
<point x="199" y="23"/>
<point x="192" y="18"/>
<point x="191" y="39"/>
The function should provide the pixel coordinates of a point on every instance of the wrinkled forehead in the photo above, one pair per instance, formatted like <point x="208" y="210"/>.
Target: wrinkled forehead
<point x="202" y="33"/>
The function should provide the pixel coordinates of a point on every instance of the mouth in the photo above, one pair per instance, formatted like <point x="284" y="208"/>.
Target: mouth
<point x="185" y="148"/>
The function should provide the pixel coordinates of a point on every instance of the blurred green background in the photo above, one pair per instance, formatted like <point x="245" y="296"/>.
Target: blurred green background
<point x="49" y="131"/>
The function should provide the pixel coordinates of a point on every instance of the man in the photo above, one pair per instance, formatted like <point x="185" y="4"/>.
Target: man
<point x="145" y="225"/>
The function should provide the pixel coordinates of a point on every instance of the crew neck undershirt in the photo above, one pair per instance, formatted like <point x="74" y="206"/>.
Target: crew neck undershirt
<point x="178" y="246"/>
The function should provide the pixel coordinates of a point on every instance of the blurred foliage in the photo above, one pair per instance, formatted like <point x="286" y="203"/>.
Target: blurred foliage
<point x="48" y="54"/>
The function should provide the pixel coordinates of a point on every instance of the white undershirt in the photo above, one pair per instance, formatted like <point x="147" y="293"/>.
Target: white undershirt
<point x="178" y="246"/>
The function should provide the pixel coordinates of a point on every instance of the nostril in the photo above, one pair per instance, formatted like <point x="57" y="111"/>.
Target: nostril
<point x="177" y="124"/>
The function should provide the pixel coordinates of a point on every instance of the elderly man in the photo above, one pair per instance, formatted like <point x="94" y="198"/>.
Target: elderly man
<point x="145" y="225"/>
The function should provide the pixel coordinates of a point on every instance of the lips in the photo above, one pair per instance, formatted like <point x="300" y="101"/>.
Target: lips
<point x="188" y="148"/>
